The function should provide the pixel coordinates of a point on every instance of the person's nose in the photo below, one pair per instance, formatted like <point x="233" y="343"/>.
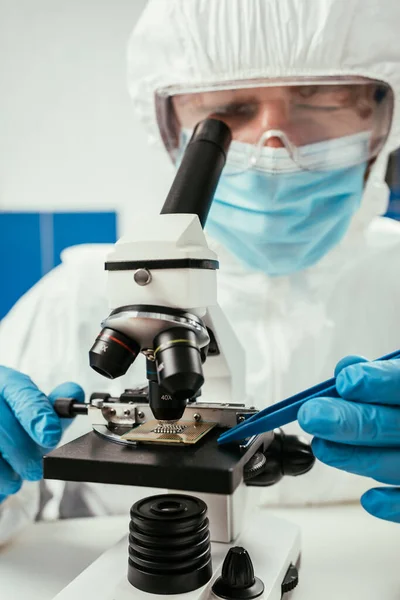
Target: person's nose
<point x="273" y="116"/>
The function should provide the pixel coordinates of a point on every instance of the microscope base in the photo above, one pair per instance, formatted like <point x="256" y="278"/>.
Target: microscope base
<point x="273" y="545"/>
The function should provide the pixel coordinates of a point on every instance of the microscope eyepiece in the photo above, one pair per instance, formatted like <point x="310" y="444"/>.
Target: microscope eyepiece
<point x="196" y="180"/>
<point x="178" y="363"/>
<point x="113" y="353"/>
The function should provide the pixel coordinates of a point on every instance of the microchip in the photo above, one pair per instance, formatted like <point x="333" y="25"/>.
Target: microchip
<point x="182" y="432"/>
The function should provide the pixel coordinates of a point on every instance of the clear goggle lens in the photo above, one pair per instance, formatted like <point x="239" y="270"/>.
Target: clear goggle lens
<point x="285" y="126"/>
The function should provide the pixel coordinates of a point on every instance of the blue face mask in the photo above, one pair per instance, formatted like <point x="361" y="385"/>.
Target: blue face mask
<point x="283" y="223"/>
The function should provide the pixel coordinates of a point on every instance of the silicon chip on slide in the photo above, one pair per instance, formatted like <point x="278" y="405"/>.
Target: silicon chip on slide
<point x="188" y="432"/>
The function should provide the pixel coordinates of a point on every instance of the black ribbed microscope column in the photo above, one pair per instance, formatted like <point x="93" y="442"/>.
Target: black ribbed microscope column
<point x="169" y="544"/>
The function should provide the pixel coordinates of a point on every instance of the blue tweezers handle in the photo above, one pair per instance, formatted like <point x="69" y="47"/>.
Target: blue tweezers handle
<point x="285" y="412"/>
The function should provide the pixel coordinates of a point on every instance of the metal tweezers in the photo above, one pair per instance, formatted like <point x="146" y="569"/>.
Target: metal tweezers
<point x="285" y="412"/>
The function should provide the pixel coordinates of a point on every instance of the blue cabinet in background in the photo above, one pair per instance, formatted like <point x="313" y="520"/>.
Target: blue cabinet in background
<point x="393" y="180"/>
<point x="31" y="243"/>
<point x="394" y="206"/>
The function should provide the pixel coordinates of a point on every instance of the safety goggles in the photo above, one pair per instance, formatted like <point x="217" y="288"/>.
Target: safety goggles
<point x="283" y="125"/>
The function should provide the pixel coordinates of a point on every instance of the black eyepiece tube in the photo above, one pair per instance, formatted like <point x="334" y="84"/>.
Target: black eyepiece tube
<point x="194" y="186"/>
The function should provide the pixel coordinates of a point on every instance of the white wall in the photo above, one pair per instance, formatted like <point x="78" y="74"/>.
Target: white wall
<point x="68" y="135"/>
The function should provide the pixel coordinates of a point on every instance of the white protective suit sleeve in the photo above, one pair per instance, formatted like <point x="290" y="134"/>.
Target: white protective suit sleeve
<point x="47" y="335"/>
<point x="18" y="510"/>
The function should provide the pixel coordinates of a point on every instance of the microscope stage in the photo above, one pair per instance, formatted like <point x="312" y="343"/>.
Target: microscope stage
<point x="201" y="467"/>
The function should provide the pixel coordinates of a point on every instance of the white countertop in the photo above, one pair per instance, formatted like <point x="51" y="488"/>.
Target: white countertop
<point x="346" y="555"/>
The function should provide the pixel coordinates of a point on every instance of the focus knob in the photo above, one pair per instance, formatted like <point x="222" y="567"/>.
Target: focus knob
<point x="291" y="580"/>
<point x="286" y="455"/>
<point x="237" y="580"/>
<point x="297" y="456"/>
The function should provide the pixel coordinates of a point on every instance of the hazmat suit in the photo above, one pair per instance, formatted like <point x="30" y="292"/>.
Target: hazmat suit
<point x="294" y="328"/>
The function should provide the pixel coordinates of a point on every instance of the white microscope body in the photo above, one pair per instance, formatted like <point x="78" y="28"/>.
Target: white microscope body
<point x="161" y="275"/>
<point x="171" y="239"/>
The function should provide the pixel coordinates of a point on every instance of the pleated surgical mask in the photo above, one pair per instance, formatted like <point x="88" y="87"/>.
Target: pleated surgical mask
<point x="283" y="223"/>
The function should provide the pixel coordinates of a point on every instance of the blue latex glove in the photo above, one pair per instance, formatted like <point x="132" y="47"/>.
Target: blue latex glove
<point x="29" y="427"/>
<point x="360" y="432"/>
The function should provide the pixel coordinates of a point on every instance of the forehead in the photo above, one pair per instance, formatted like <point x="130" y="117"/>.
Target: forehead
<point x="266" y="93"/>
<point x="222" y="96"/>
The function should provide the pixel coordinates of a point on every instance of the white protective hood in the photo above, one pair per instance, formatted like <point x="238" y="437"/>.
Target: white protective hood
<point x="198" y="41"/>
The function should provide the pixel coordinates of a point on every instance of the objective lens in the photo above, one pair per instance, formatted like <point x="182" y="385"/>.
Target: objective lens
<point x="113" y="353"/>
<point x="164" y="406"/>
<point x="178" y="362"/>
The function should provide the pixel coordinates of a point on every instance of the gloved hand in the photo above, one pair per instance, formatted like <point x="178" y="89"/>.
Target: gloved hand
<point x="360" y="432"/>
<point x="29" y="427"/>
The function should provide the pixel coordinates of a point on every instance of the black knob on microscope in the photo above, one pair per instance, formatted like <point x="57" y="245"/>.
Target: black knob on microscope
<point x="297" y="455"/>
<point x="286" y="455"/>
<point x="237" y="580"/>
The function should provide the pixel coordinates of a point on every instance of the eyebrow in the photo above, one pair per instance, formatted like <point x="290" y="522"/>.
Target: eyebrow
<point x="231" y="103"/>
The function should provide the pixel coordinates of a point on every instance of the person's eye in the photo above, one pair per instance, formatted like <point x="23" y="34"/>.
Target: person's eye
<point x="318" y="107"/>
<point x="236" y="110"/>
<point x="323" y="98"/>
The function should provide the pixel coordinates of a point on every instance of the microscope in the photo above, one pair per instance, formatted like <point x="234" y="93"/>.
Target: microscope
<point x="205" y="538"/>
